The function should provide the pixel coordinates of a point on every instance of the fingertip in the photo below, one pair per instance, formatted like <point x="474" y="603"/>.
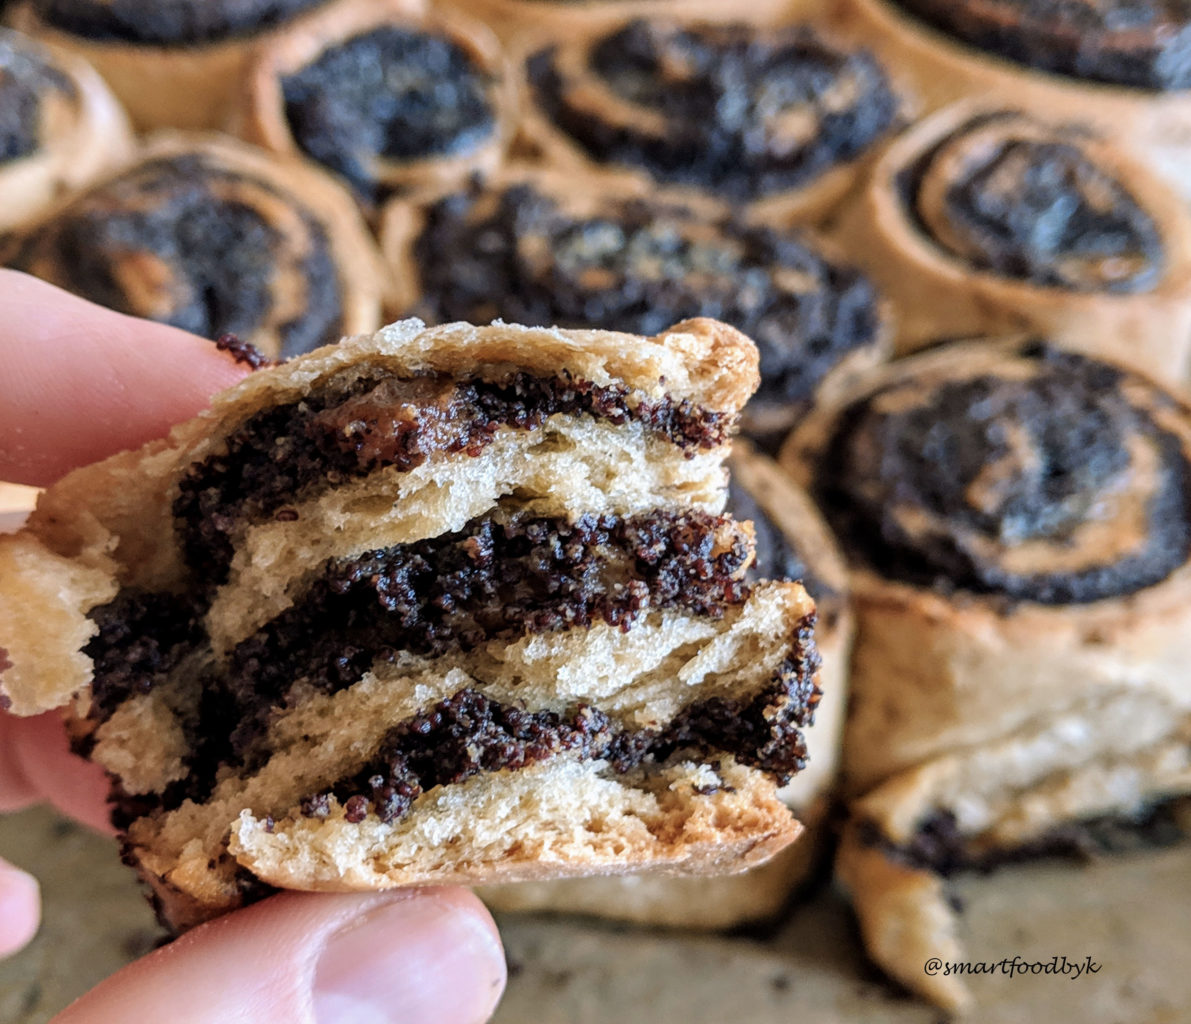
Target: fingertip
<point x="76" y="787"/>
<point x="20" y="908"/>
<point x="82" y="382"/>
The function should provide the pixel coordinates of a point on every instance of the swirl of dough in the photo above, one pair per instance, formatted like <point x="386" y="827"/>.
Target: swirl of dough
<point x="1030" y="472"/>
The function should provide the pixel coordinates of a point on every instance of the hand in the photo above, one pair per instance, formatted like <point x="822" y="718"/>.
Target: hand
<point x="80" y="383"/>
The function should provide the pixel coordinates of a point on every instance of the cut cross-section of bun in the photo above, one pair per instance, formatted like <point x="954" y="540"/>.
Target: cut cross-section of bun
<point x="452" y="604"/>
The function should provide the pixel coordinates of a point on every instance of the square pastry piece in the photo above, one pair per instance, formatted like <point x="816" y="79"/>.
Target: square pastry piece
<point x="440" y="605"/>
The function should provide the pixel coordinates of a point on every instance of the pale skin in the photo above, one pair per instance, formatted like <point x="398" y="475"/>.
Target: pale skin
<point x="78" y="383"/>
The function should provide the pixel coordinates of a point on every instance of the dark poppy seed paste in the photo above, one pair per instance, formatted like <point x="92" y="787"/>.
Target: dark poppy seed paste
<point x="640" y="266"/>
<point x="468" y="734"/>
<point x="168" y="22"/>
<point x="292" y="451"/>
<point x="390" y="94"/>
<point x="27" y="79"/>
<point x="1141" y="43"/>
<point x="182" y="241"/>
<point x="1039" y="211"/>
<point x="741" y="114"/>
<point x="945" y="485"/>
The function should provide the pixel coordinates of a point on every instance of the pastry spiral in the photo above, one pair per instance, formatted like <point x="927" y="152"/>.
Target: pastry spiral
<point x="213" y="237"/>
<point x="1018" y="520"/>
<point x="779" y="119"/>
<point x="532" y="248"/>
<point x="177" y="64"/>
<point x="982" y="220"/>
<point x="60" y="126"/>
<point x="1120" y="68"/>
<point x="391" y="99"/>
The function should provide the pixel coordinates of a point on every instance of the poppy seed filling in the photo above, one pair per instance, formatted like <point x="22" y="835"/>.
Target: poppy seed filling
<point x="349" y="431"/>
<point x="26" y="80"/>
<point x="469" y="733"/>
<point x="640" y="266"/>
<point x="738" y="106"/>
<point x="1039" y="211"/>
<point x="453" y="593"/>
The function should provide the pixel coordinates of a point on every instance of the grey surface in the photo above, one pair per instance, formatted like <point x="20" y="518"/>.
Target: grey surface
<point x="1132" y="914"/>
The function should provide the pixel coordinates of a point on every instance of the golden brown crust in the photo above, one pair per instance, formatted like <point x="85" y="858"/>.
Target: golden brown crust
<point x="810" y="203"/>
<point x="261" y="118"/>
<point x="936" y="294"/>
<point x="269" y="183"/>
<point x="940" y="71"/>
<point x="82" y="136"/>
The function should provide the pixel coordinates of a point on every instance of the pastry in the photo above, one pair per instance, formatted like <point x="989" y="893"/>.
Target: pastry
<point x="214" y="236"/>
<point x="1118" y="66"/>
<point x="543" y="248"/>
<point x="981" y="220"/>
<point x="439" y="605"/>
<point x="514" y="19"/>
<point x="1018" y="519"/>
<point x="389" y="98"/>
<point x="793" y="543"/>
<point x="173" y="65"/>
<point x="779" y="121"/>
<point x="60" y="126"/>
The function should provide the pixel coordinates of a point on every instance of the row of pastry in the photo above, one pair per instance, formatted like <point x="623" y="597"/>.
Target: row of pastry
<point x="1015" y="515"/>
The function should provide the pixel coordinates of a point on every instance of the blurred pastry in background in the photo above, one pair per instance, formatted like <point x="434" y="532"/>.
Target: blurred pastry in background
<point x="514" y="19"/>
<point x="792" y="543"/>
<point x="60" y="126"/>
<point x="1017" y="517"/>
<point x="981" y="220"/>
<point x="391" y="99"/>
<point x="776" y="121"/>
<point x="215" y="237"/>
<point x="549" y="248"/>
<point x="173" y="65"/>
<point x="1123" y="67"/>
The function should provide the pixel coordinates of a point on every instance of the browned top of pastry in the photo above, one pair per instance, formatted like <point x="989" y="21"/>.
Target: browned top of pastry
<point x="1027" y="471"/>
<point x="725" y="108"/>
<point x="1142" y="43"/>
<point x="1025" y="200"/>
<point x="188" y="240"/>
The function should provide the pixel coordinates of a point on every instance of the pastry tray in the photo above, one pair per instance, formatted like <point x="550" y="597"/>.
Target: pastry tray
<point x="1130" y="913"/>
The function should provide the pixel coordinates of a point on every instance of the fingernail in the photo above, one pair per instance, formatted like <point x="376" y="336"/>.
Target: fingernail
<point x="20" y="908"/>
<point x="418" y="959"/>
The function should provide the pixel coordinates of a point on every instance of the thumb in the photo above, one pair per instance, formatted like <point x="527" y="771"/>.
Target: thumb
<point x="407" y="957"/>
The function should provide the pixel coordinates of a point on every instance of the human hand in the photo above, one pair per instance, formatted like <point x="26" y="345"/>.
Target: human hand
<point x="80" y="383"/>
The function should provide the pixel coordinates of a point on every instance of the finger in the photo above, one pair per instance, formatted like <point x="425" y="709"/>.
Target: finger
<point x="20" y="908"/>
<point x="75" y="786"/>
<point x="82" y="382"/>
<point x="410" y="957"/>
<point x="16" y="791"/>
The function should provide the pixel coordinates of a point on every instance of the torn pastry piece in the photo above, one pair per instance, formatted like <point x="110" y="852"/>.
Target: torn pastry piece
<point x="1018" y="519"/>
<point x="213" y="236"/>
<point x="793" y="543"/>
<point x="453" y="604"/>
<point x="777" y="120"/>
<point x="537" y="247"/>
<point x="60" y="126"/>
<point x="1121" y="67"/>
<point x="388" y="96"/>
<point x="981" y="220"/>
<point x="173" y="65"/>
